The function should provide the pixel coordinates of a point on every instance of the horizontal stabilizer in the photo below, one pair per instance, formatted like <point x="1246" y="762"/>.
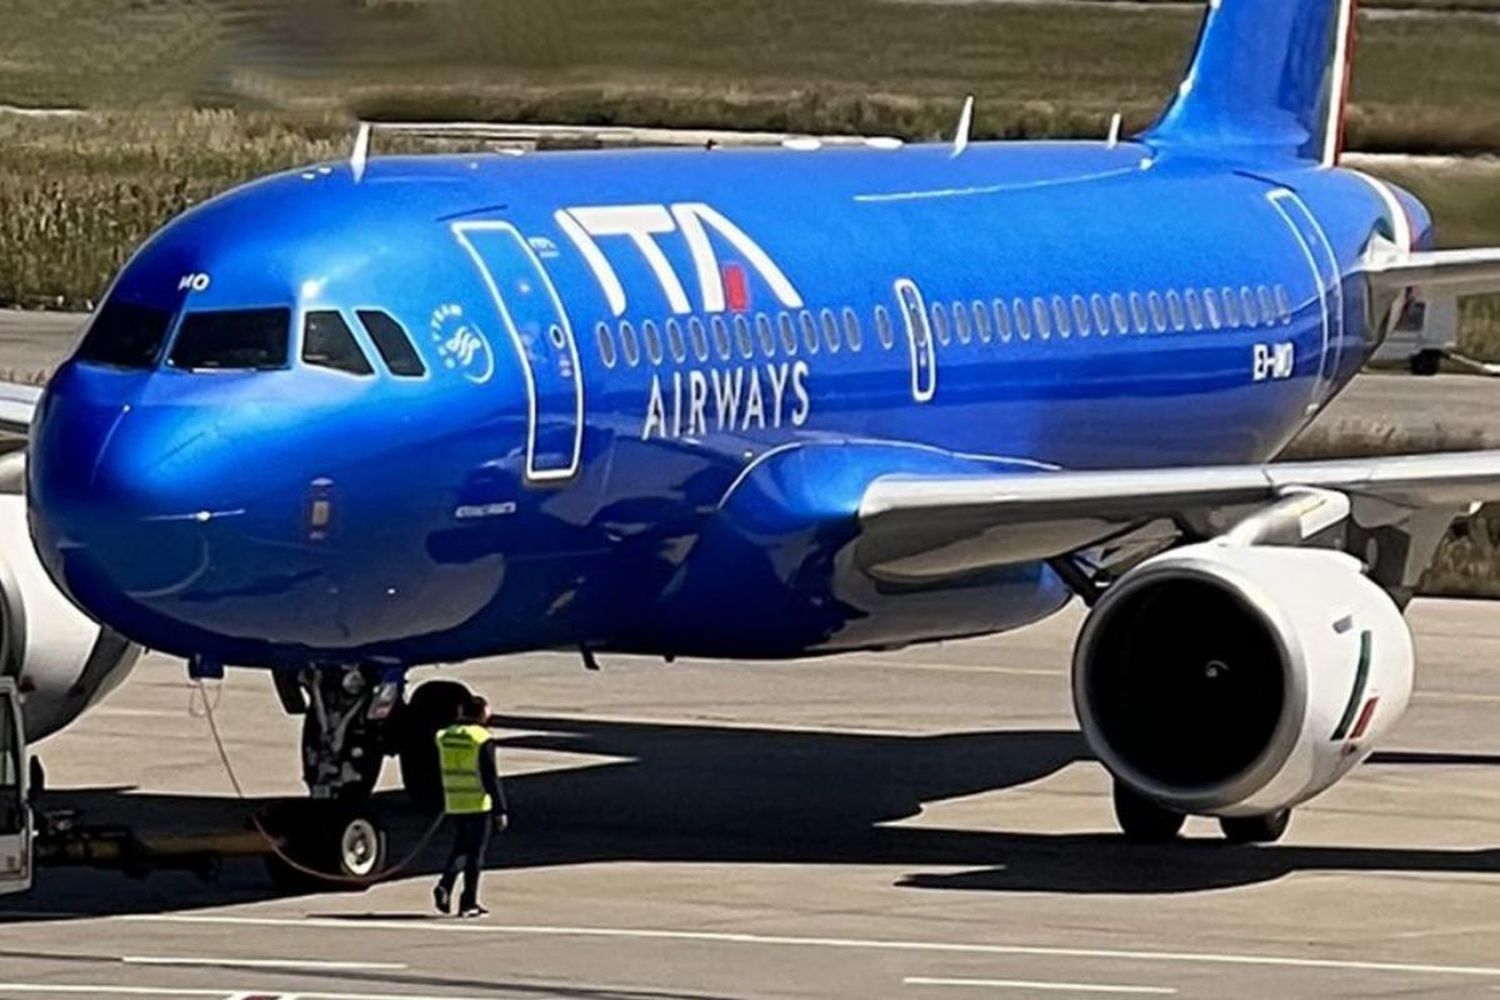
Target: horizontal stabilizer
<point x="1455" y="272"/>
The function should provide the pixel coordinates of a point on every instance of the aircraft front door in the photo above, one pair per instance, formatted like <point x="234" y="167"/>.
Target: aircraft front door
<point x="15" y="809"/>
<point x="533" y="314"/>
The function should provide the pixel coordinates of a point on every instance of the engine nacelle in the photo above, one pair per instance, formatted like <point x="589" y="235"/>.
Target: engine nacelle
<point x="63" y="660"/>
<point x="1240" y="680"/>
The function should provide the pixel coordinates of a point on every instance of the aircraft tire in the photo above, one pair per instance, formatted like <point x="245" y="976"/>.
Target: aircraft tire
<point x="1265" y="829"/>
<point x="431" y="706"/>
<point x="1426" y="363"/>
<point x="327" y="848"/>
<point x="1143" y="820"/>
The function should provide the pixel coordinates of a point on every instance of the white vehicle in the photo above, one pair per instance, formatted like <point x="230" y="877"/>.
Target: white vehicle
<point x="1427" y="336"/>
<point x="15" y="804"/>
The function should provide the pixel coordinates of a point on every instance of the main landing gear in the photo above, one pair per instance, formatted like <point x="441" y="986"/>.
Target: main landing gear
<point x="1144" y="820"/>
<point x="353" y="718"/>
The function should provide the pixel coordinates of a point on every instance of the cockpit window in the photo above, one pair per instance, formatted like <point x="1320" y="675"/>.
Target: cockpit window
<point x="125" y="335"/>
<point x="394" y="345"/>
<point x="250" y="338"/>
<point x="327" y="342"/>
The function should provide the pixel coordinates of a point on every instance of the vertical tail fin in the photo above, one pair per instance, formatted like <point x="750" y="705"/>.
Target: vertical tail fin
<point x="1270" y="79"/>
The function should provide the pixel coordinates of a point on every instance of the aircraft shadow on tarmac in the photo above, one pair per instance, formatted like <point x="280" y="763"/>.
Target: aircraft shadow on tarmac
<point x="701" y="793"/>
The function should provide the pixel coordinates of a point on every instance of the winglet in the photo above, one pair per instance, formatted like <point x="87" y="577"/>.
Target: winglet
<point x="965" y="127"/>
<point x="361" y="154"/>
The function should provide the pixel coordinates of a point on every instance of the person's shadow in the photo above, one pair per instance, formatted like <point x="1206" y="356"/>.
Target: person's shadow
<point x="704" y="793"/>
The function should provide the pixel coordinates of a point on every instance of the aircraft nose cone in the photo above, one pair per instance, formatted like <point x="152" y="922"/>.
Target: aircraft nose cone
<point x="113" y="517"/>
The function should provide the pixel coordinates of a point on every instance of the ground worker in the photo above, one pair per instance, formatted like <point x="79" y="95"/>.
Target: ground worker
<point x="473" y="801"/>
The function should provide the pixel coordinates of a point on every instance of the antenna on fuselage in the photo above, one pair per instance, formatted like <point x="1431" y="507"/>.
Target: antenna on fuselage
<point x="965" y="126"/>
<point x="1115" y="125"/>
<point x="361" y="154"/>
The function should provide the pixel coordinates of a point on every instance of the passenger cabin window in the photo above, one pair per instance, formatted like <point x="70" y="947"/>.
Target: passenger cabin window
<point x="699" y="337"/>
<point x="327" y="342"/>
<point x="1284" y="304"/>
<point x="788" y="333"/>
<point x="853" y="335"/>
<point x="606" y="345"/>
<point x="1195" y="308"/>
<point x="1138" y="311"/>
<point x="1023" y="319"/>
<point x="233" y="340"/>
<point x="1043" y="323"/>
<point x="1211" y="306"/>
<point x="940" y="323"/>
<point x="1174" y="308"/>
<point x="1122" y="315"/>
<point x="721" y="338"/>
<point x="809" y="332"/>
<point x="766" y="334"/>
<point x="1249" y="307"/>
<point x="392" y="342"/>
<point x="1101" y="314"/>
<point x="630" y="347"/>
<point x="652" y="337"/>
<point x="883" y="328"/>
<point x="1081" y="315"/>
<point x="982" y="322"/>
<point x="675" y="342"/>
<point x="830" y="331"/>
<point x="1267" y="306"/>
<point x="742" y="337"/>
<point x="961" y="323"/>
<point x="125" y="335"/>
<point x="1231" y="308"/>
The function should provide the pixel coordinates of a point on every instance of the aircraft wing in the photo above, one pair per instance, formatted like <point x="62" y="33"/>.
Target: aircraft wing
<point x="916" y="528"/>
<point x="1457" y="272"/>
<point x="17" y="405"/>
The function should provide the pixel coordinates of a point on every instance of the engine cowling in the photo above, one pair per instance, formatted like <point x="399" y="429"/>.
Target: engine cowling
<point x="1240" y="680"/>
<point x="63" y="661"/>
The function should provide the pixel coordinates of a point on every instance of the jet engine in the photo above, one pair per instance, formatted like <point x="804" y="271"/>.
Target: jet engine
<point x="1239" y="681"/>
<point x="63" y="661"/>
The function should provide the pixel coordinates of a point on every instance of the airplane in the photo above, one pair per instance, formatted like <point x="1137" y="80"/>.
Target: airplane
<point x="790" y="400"/>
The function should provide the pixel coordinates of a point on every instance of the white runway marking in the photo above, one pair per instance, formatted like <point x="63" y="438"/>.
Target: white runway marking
<point x="261" y="963"/>
<point x="856" y="944"/>
<point x="215" y="993"/>
<point x="1044" y="986"/>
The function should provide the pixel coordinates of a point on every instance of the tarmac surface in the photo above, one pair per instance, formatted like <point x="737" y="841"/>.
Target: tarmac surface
<point x="922" y="824"/>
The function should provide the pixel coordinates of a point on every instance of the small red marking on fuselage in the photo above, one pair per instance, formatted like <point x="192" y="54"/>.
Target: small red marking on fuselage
<point x="736" y="288"/>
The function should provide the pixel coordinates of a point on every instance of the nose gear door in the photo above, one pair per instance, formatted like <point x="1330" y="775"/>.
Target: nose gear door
<point x="529" y="306"/>
<point x="15" y="807"/>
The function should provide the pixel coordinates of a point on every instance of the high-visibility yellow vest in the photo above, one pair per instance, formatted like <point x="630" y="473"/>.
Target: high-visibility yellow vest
<point x="463" y="788"/>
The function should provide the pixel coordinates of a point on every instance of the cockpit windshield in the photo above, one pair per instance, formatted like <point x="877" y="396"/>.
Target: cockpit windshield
<point x="240" y="339"/>
<point x="125" y="335"/>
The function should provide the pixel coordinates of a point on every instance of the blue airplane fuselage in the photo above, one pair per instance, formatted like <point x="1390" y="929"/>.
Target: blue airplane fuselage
<point x="655" y="385"/>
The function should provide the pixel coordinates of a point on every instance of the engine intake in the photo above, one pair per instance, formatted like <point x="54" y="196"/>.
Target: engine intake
<point x="1228" y="680"/>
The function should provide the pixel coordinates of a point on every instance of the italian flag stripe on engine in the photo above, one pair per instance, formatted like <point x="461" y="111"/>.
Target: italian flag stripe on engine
<point x="1361" y="678"/>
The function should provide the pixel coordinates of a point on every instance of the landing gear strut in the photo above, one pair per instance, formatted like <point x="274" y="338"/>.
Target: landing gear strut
<point x="344" y="740"/>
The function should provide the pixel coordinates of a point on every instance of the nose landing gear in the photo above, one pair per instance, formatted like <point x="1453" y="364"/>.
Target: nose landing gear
<point x="346" y="729"/>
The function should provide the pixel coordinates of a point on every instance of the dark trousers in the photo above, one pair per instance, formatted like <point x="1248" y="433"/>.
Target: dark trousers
<point x="471" y="836"/>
